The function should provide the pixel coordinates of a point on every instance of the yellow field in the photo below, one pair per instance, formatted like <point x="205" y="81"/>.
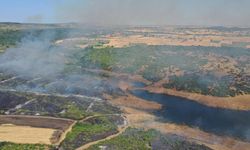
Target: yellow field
<point x="25" y="134"/>
<point x="180" y="40"/>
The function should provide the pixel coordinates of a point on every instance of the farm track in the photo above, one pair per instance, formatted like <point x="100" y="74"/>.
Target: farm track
<point x="121" y="129"/>
<point x="69" y="128"/>
<point x="39" y="121"/>
<point x="63" y="136"/>
<point x="90" y="117"/>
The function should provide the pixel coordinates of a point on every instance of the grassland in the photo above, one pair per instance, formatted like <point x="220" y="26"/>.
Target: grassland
<point x="12" y="146"/>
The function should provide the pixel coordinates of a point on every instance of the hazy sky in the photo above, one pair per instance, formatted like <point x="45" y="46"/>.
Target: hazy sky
<point x="128" y="12"/>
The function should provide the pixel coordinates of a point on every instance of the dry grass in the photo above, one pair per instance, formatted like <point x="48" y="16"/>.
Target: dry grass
<point x="25" y="134"/>
<point x="181" y="40"/>
<point x="34" y="129"/>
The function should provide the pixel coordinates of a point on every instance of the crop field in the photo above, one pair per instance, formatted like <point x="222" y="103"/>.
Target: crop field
<point x="26" y="134"/>
<point x="33" y="129"/>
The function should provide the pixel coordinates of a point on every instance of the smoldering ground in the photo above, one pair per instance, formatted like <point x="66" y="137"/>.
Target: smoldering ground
<point x="37" y="64"/>
<point x="33" y="58"/>
<point x="37" y="54"/>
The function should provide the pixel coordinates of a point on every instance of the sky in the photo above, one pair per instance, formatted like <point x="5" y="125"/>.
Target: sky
<point x="128" y="12"/>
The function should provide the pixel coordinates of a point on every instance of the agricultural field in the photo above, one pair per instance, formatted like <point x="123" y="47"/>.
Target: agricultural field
<point x="26" y="134"/>
<point x="32" y="129"/>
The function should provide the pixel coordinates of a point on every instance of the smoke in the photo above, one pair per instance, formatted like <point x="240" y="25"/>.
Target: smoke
<point x="34" y="57"/>
<point x="116" y="12"/>
<point x="155" y="12"/>
<point x="40" y="64"/>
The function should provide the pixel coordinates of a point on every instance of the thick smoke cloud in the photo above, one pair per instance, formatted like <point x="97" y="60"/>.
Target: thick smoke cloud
<point x="43" y="65"/>
<point x="155" y="12"/>
<point x="34" y="57"/>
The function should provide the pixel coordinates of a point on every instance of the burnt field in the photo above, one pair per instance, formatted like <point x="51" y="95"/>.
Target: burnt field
<point x="63" y="106"/>
<point x="36" y="121"/>
<point x="80" y="83"/>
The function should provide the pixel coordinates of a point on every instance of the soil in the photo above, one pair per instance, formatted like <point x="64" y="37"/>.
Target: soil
<point x="37" y="121"/>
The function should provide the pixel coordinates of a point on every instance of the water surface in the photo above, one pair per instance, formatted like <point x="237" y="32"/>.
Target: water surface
<point x="210" y="119"/>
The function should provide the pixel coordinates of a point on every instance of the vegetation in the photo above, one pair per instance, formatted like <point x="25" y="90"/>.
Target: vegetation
<point x="203" y="84"/>
<point x="9" y="38"/>
<point x="12" y="146"/>
<point x="146" y="140"/>
<point x="149" y="61"/>
<point x="91" y="130"/>
<point x="11" y="34"/>
<point x="155" y="63"/>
